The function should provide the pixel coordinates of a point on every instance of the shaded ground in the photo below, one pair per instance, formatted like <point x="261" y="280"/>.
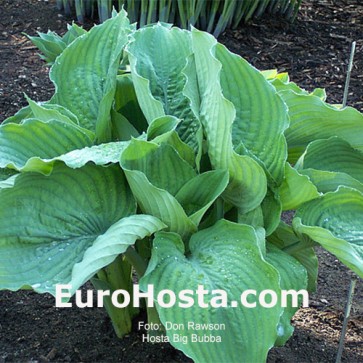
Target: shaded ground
<point x="314" y="51"/>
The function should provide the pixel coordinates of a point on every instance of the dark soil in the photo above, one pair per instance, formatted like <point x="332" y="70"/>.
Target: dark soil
<point x="314" y="51"/>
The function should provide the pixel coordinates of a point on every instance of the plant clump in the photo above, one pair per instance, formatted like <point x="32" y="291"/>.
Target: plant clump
<point x="178" y="164"/>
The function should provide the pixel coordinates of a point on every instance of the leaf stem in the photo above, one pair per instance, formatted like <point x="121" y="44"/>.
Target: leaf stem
<point x="117" y="275"/>
<point x="220" y="208"/>
<point x="136" y="260"/>
<point x="297" y="246"/>
<point x="153" y="318"/>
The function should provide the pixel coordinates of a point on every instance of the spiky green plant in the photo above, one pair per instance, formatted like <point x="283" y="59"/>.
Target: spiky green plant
<point x="211" y="15"/>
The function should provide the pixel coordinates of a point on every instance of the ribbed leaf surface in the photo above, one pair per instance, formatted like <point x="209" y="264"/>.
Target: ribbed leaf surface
<point x="334" y="155"/>
<point x="335" y="221"/>
<point x="85" y="73"/>
<point x="247" y="179"/>
<point x="23" y="145"/>
<point x="198" y="194"/>
<point x="293" y="276"/>
<point x="161" y="164"/>
<point x="284" y="237"/>
<point x="296" y="189"/>
<point x="159" y="78"/>
<point x="312" y="119"/>
<point x="328" y="181"/>
<point x="261" y="115"/>
<point x="47" y="223"/>
<point x="153" y="177"/>
<point x="224" y="257"/>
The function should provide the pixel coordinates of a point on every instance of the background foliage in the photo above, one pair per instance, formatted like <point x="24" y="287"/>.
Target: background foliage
<point x="210" y="15"/>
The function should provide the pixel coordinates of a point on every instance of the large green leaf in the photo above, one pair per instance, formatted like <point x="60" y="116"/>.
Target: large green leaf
<point x="155" y="172"/>
<point x="335" y="155"/>
<point x="113" y="242"/>
<point x="335" y="221"/>
<point x="43" y="111"/>
<point x="159" y="78"/>
<point x="161" y="164"/>
<point x="281" y="81"/>
<point x="50" y="44"/>
<point x="293" y="276"/>
<point x="271" y="210"/>
<point x="46" y="112"/>
<point x="224" y="257"/>
<point x="63" y="227"/>
<point x="296" y="189"/>
<point x="312" y="119"/>
<point x="329" y="181"/>
<point x="102" y="154"/>
<point x="261" y="116"/>
<point x="172" y="138"/>
<point x="332" y="163"/>
<point x="247" y="179"/>
<point x="23" y="145"/>
<point x="285" y="239"/>
<point x="198" y="194"/>
<point x="85" y="74"/>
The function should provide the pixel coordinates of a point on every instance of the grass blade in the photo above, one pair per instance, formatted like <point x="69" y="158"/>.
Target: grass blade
<point x="152" y="11"/>
<point x="225" y="18"/>
<point x="213" y="12"/>
<point x="80" y="10"/>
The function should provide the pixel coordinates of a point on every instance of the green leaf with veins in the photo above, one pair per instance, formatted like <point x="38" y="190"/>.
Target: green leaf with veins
<point x="66" y="226"/>
<point x="85" y="75"/>
<point x="148" y="168"/>
<point x="334" y="155"/>
<point x="335" y="222"/>
<point x="161" y="164"/>
<point x="296" y="189"/>
<point x="160" y="78"/>
<point x="56" y="112"/>
<point x="312" y="119"/>
<point x="248" y="183"/>
<point x="285" y="239"/>
<point x="293" y="277"/>
<point x="198" y="194"/>
<point x="172" y="138"/>
<point x="24" y="146"/>
<point x="261" y="115"/>
<point x="329" y="181"/>
<point x="224" y="257"/>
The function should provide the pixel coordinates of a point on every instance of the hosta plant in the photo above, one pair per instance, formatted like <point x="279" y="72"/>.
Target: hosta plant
<point x="163" y="153"/>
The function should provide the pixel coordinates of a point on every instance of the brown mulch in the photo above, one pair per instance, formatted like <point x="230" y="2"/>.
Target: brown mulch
<point x="314" y="51"/>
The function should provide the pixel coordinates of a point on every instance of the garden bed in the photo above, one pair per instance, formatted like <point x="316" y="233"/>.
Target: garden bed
<point x="314" y="51"/>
